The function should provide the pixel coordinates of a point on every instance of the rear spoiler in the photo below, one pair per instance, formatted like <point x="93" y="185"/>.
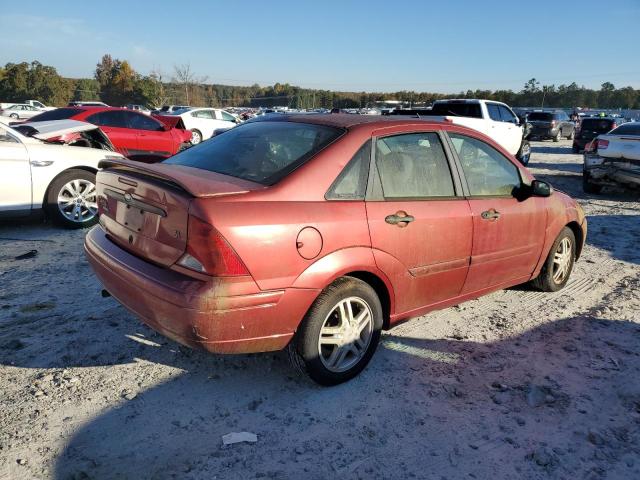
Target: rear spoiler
<point x="194" y="181"/>
<point x="173" y="121"/>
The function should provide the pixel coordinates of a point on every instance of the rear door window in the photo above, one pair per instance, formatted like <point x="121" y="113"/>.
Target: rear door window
<point x="112" y="118"/>
<point x="462" y="109"/>
<point x="263" y="152"/>
<point x="413" y="165"/>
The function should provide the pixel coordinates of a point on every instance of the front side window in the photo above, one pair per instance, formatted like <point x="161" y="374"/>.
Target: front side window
<point x="506" y="114"/>
<point x="488" y="172"/>
<point x="5" y="137"/>
<point x="263" y="152"/>
<point x="494" y="112"/>
<point x="413" y="166"/>
<point x="203" y="114"/>
<point x="228" y="117"/>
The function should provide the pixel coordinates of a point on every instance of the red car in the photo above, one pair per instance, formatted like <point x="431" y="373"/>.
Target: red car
<point x="135" y="135"/>
<point x="314" y="232"/>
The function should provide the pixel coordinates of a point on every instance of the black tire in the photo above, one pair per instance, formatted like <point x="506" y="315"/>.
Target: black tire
<point x="524" y="154"/>
<point x="304" y="350"/>
<point x="197" y="136"/>
<point x="14" y="115"/>
<point x="55" y="190"/>
<point x="545" y="280"/>
<point x="588" y="186"/>
<point x="558" y="135"/>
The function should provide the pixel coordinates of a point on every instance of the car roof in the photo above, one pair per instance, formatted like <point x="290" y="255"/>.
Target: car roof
<point x="344" y="120"/>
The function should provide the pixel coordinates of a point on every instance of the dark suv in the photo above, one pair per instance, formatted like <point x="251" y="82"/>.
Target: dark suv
<point x="590" y="128"/>
<point x="552" y="125"/>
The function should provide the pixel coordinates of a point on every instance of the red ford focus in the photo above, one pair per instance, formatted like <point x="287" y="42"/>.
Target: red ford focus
<point x="133" y="134"/>
<point x="314" y="232"/>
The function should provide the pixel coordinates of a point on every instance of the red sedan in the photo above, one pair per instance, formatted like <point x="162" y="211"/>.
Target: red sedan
<point x="135" y="135"/>
<point x="314" y="232"/>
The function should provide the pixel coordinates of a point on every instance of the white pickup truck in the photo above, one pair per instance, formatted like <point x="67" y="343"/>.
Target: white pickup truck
<point x="494" y="119"/>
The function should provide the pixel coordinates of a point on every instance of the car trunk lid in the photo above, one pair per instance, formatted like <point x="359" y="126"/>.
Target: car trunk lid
<point x="620" y="147"/>
<point x="145" y="208"/>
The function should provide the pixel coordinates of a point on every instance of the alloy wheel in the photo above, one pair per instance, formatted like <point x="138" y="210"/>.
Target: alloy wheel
<point x="77" y="200"/>
<point x="345" y="334"/>
<point x="562" y="261"/>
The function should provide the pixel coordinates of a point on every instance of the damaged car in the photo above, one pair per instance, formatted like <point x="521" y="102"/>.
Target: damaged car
<point x="42" y="168"/>
<point x="613" y="159"/>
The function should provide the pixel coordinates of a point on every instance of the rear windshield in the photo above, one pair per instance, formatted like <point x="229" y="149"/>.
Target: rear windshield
<point x="627" y="129"/>
<point x="57" y="114"/>
<point x="457" y="109"/>
<point x="596" y="125"/>
<point x="540" y="116"/>
<point x="262" y="152"/>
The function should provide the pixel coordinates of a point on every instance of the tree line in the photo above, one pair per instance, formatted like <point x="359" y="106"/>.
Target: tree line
<point x="115" y="82"/>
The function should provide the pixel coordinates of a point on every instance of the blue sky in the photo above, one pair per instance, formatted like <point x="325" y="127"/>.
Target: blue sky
<point x="445" y="46"/>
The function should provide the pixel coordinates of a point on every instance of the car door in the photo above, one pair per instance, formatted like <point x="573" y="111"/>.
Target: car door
<point x="204" y="121"/>
<point x="15" y="174"/>
<point x="508" y="228"/>
<point x="419" y="223"/>
<point x="498" y="129"/>
<point x="114" y="123"/>
<point x="514" y="130"/>
<point x="153" y="140"/>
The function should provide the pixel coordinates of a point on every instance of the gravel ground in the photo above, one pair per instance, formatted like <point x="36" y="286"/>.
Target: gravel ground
<point x="518" y="384"/>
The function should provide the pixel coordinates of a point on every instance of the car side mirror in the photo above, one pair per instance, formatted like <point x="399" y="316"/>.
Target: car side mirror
<point x="541" y="189"/>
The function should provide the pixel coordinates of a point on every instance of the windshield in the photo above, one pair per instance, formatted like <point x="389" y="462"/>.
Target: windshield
<point x="57" y="114"/>
<point x="262" y="152"/>
<point x="540" y="116"/>
<point x="627" y="129"/>
<point x="457" y="109"/>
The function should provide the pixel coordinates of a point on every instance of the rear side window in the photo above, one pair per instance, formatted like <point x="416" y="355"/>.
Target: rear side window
<point x="57" y="114"/>
<point x="351" y="184"/>
<point x="413" y="166"/>
<point x="263" y="152"/>
<point x="547" y="117"/>
<point x="457" y="109"/>
<point x="627" y="129"/>
<point x="109" y="119"/>
<point x="488" y="172"/>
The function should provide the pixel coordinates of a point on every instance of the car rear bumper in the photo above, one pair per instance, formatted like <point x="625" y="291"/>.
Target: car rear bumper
<point x="224" y="315"/>
<point x="605" y="172"/>
<point x="543" y="132"/>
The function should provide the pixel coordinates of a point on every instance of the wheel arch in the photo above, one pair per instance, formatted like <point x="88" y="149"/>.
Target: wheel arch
<point x="62" y="172"/>
<point x="380" y="287"/>
<point x="579" y="235"/>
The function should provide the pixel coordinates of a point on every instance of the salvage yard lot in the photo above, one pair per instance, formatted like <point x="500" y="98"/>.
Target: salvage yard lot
<point x="518" y="384"/>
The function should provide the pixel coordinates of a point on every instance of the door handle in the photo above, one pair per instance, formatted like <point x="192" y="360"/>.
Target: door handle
<point x="400" y="218"/>
<point x="490" y="214"/>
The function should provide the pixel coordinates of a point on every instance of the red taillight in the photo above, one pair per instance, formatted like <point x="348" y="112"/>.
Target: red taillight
<point x="602" y="144"/>
<point x="208" y="252"/>
<point x="590" y="147"/>
<point x="553" y="123"/>
<point x="613" y="125"/>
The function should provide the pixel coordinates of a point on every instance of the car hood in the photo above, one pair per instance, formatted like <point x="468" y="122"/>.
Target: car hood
<point x="55" y="128"/>
<point x="65" y="132"/>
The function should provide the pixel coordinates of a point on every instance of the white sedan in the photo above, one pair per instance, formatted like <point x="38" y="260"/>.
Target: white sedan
<point x="20" y="111"/>
<point x="205" y="123"/>
<point x="52" y="166"/>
